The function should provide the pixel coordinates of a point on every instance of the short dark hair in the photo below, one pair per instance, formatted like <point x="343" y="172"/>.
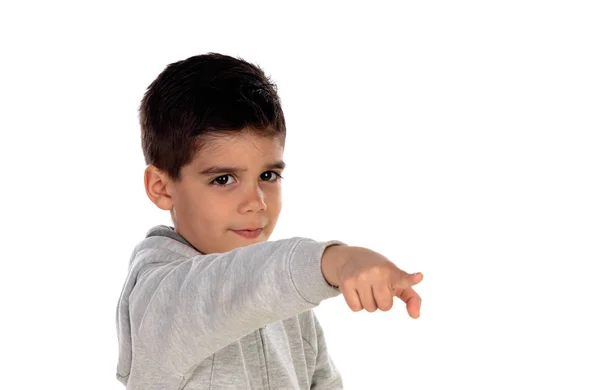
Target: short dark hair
<point x="205" y="95"/>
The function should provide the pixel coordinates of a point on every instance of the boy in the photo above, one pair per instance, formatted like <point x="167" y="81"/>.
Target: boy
<point x="210" y="302"/>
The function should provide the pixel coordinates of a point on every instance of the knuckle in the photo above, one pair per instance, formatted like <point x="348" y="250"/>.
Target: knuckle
<point x="377" y="270"/>
<point x="347" y="284"/>
<point x="370" y="274"/>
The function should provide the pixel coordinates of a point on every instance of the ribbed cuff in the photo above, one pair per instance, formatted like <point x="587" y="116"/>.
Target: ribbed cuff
<point x="306" y="273"/>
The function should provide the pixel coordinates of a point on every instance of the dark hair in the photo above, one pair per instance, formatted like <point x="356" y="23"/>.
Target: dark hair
<point x="205" y="95"/>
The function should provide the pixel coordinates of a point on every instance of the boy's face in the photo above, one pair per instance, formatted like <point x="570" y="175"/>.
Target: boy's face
<point x="230" y="186"/>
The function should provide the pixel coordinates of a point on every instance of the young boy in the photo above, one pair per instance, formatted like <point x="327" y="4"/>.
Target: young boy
<point x="210" y="302"/>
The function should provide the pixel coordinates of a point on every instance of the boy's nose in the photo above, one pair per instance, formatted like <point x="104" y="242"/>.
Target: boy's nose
<point x="254" y="200"/>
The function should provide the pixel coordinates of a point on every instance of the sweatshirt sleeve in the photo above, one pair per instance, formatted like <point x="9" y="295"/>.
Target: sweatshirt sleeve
<point x="183" y="311"/>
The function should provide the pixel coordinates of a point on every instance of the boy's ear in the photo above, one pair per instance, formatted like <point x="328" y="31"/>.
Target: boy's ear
<point x="157" y="185"/>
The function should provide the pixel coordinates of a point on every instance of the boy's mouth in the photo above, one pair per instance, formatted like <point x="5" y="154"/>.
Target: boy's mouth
<point x="248" y="233"/>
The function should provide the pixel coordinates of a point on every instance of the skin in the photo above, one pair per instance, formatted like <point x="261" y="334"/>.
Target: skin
<point x="207" y="208"/>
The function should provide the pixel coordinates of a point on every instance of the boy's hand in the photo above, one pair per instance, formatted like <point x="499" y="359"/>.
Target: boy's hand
<point x="369" y="280"/>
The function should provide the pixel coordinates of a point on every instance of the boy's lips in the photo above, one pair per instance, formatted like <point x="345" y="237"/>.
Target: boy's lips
<point x="248" y="233"/>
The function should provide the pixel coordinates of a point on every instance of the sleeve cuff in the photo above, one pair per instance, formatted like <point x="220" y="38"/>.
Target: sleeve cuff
<point x="306" y="274"/>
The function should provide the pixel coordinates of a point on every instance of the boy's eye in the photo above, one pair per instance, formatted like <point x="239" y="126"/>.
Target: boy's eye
<point x="270" y="176"/>
<point x="265" y="176"/>
<point x="221" y="180"/>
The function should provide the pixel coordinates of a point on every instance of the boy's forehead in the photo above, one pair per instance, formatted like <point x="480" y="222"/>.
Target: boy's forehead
<point x="227" y="147"/>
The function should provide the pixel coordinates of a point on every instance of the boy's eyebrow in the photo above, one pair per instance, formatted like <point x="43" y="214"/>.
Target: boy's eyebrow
<point x="223" y="169"/>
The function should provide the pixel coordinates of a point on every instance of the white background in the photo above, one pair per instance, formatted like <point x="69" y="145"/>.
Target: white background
<point x="458" y="138"/>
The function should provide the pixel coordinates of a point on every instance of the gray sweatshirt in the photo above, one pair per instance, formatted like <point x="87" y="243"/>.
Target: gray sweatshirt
<point x="236" y="320"/>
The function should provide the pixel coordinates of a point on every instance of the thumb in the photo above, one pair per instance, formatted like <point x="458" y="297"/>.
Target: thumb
<point x="407" y="280"/>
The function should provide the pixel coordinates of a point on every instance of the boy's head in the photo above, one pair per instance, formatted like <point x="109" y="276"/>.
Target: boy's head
<point x="213" y="135"/>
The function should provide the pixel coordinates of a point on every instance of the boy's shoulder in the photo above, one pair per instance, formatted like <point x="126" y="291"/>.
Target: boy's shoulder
<point x="162" y="243"/>
<point x="162" y="236"/>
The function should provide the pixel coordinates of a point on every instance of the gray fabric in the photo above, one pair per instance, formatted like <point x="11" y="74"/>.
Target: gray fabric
<point x="241" y="319"/>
